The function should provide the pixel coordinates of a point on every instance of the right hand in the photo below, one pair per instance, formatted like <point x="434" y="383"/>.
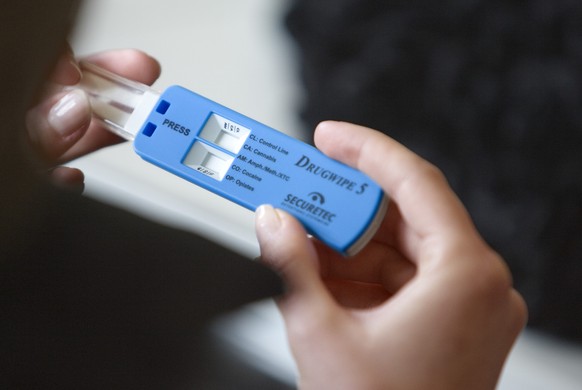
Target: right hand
<point x="426" y="305"/>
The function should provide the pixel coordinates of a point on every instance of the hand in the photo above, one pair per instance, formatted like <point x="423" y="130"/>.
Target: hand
<point x="426" y="305"/>
<point x="60" y="127"/>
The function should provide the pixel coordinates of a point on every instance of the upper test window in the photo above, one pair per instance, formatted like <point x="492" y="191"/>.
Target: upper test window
<point x="225" y="133"/>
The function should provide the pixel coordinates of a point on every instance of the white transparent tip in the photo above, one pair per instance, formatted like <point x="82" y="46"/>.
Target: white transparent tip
<point x="115" y="99"/>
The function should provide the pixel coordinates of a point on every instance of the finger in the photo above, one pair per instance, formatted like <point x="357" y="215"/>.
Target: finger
<point x="286" y="248"/>
<point x="357" y="295"/>
<point x="376" y="264"/>
<point x="67" y="71"/>
<point x="129" y="63"/>
<point x="69" y="178"/>
<point x="56" y="124"/>
<point x="425" y="200"/>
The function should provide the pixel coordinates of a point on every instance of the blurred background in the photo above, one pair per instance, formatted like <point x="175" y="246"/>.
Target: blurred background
<point x="402" y="69"/>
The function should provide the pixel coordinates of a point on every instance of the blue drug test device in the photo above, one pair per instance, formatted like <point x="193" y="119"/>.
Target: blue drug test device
<point x="239" y="158"/>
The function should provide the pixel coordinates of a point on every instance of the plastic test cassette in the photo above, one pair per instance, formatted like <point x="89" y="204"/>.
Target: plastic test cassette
<point x="239" y="158"/>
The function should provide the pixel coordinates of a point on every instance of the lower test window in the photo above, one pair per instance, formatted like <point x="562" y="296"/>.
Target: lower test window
<point x="208" y="160"/>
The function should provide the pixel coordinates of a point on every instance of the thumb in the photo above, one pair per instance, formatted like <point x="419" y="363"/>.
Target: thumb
<point x="286" y="248"/>
<point x="57" y="124"/>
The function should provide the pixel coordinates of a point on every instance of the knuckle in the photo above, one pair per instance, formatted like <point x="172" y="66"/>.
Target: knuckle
<point x="488" y="286"/>
<point x="519" y="310"/>
<point x="431" y="172"/>
<point x="491" y="281"/>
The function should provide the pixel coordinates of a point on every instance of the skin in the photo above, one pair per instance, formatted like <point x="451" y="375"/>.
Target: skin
<point x="427" y="304"/>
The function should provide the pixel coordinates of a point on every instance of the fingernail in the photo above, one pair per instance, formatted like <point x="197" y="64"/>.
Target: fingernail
<point x="268" y="219"/>
<point x="70" y="113"/>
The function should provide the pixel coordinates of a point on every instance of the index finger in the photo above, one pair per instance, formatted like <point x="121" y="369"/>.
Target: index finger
<point x="426" y="202"/>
